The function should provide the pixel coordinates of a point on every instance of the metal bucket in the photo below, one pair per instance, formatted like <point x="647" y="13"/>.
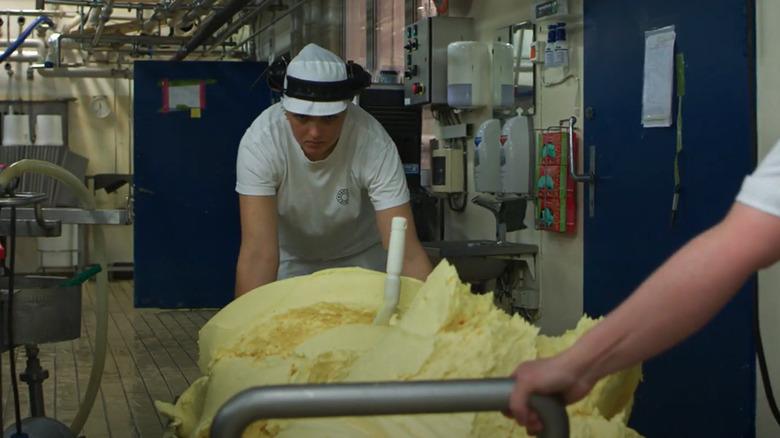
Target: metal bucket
<point x="42" y="311"/>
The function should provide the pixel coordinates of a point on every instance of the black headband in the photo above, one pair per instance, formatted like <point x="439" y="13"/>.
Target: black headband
<point x="319" y="91"/>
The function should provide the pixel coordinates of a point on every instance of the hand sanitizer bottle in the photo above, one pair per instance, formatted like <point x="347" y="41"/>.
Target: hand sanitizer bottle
<point x="549" y="49"/>
<point x="561" y="47"/>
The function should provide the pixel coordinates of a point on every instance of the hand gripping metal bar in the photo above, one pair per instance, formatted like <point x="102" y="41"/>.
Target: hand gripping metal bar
<point x="379" y="398"/>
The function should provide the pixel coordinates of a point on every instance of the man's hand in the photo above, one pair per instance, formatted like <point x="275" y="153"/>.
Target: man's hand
<point x="550" y="376"/>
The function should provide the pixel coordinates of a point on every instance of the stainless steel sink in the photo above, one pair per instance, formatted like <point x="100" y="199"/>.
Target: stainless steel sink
<point x="477" y="260"/>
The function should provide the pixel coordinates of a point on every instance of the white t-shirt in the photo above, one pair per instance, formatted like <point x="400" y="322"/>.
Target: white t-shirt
<point x="761" y="190"/>
<point x="326" y="208"/>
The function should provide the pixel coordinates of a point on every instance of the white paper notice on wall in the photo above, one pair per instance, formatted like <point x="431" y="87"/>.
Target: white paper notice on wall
<point x="185" y="96"/>
<point x="658" y="78"/>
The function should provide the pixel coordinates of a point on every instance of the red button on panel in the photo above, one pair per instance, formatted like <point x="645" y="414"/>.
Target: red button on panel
<point x="418" y="88"/>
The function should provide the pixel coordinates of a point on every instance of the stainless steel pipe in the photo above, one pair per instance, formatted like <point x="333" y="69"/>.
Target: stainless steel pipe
<point x="379" y="398"/>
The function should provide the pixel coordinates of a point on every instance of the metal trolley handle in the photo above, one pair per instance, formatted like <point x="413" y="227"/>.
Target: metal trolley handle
<point x="588" y="177"/>
<point x="379" y="398"/>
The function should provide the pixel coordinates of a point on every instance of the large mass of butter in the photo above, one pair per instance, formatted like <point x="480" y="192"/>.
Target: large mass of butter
<point x="317" y="328"/>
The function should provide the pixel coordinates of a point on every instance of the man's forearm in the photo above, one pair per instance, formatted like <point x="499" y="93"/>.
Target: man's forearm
<point x="417" y="264"/>
<point x="253" y="274"/>
<point x="669" y="306"/>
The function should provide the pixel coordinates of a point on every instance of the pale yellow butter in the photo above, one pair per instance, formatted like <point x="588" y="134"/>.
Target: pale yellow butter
<point x="317" y="329"/>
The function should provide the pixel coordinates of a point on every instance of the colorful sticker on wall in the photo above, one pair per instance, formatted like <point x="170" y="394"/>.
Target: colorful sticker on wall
<point x="184" y="95"/>
<point x="555" y="191"/>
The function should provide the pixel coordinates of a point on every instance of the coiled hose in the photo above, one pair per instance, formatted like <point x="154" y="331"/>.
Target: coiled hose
<point x="88" y="200"/>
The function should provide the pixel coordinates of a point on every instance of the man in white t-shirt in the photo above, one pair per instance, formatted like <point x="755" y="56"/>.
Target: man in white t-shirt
<point x="698" y="279"/>
<point x="319" y="179"/>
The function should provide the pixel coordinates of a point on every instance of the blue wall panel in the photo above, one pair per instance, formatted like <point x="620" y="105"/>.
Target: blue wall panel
<point x="186" y="209"/>
<point x="704" y="387"/>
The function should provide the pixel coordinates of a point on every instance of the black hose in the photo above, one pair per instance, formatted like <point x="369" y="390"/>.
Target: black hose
<point x="750" y="52"/>
<point x="767" y="385"/>
<point x="441" y="219"/>
<point x="11" y="358"/>
<point x="6" y="312"/>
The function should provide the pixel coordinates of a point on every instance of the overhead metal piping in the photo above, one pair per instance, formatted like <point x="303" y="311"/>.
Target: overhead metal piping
<point x="105" y="14"/>
<point x="24" y="34"/>
<point x="97" y="4"/>
<point x="161" y="12"/>
<point x="208" y="28"/>
<point x="219" y="39"/>
<point x="266" y="26"/>
<point x="83" y="72"/>
<point x="30" y="12"/>
<point x="39" y="45"/>
<point x="57" y="42"/>
<point x="20" y="56"/>
<point x="201" y="7"/>
<point x="139" y="39"/>
<point x="23" y="57"/>
<point x="218" y="22"/>
<point x="138" y="51"/>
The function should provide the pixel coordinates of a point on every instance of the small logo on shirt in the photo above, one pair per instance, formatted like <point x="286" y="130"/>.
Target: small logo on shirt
<point x="343" y="196"/>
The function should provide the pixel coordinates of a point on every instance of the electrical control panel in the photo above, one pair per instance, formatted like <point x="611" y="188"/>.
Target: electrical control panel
<point x="425" y="57"/>
<point x="447" y="168"/>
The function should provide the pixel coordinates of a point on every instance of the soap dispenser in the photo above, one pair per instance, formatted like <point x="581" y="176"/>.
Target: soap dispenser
<point x="487" y="165"/>
<point x="503" y="75"/>
<point x="518" y="156"/>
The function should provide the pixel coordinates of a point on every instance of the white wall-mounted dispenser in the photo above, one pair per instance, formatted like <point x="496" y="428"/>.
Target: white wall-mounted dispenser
<point x="503" y="75"/>
<point x="518" y="156"/>
<point x="468" y="74"/>
<point x="48" y="130"/>
<point x="16" y="130"/>
<point x="487" y="166"/>
<point x="447" y="170"/>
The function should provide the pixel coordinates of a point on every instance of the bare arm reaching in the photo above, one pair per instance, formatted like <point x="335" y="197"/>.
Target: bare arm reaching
<point x="699" y="279"/>
<point x="258" y="257"/>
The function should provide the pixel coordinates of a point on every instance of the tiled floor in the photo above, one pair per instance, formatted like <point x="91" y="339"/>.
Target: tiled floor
<point x="152" y="355"/>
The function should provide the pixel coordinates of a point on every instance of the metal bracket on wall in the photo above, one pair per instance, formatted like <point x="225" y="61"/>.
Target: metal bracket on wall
<point x="589" y="177"/>
<point x="457" y="131"/>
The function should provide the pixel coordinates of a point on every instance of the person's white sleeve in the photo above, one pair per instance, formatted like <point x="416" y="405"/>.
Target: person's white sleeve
<point x="255" y="173"/>
<point x="761" y="190"/>
<point x="386" y="180"/>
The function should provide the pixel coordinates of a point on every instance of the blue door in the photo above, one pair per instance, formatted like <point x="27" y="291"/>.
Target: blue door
<point x="704" y="387"/>
<point x="188" y="120"/>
